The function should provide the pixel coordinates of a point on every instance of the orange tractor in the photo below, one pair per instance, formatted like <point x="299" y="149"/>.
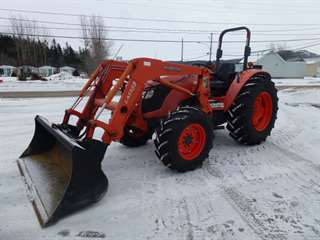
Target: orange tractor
<point x="180" y="105"/>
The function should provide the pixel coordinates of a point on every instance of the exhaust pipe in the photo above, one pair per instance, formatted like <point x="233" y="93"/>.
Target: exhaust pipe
<point x="62" y="175"/>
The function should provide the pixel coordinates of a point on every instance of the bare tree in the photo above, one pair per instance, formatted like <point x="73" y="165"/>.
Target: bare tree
<point x="27" y="33"/>
<point x="94" y="34"/>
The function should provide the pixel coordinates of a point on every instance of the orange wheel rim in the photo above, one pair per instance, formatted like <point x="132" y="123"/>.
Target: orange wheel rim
<point x="262" y="112"/>
<point x="192" y="141"/>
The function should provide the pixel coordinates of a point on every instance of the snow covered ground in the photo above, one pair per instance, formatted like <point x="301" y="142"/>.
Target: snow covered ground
<point x="270" y="191"/>
<point x="57" y="82"/>
<point x="297" y="81"/>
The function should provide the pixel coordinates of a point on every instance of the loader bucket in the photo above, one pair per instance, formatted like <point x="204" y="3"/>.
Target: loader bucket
<point x="61" y="174"/>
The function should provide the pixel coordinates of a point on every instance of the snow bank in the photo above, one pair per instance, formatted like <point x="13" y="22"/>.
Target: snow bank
<point x="57" y="82"/>
<point x="61" y="76"/>
<point x="297" y="82"/>
<point x="8" y="79"/>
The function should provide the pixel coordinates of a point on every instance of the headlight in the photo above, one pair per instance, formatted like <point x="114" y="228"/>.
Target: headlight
<point x="149" y="94"/>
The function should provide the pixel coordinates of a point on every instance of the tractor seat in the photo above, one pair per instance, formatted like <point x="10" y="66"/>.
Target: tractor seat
<point x="223" y="76"/>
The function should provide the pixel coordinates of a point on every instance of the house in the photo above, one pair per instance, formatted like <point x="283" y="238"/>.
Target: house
<point x="6" y="71"/>
<point x="67" y="69"/>
<point x="46" y="71"/>
<point x="28" y="69"/>
<point x="283" y="65"/>
<point x="313" y="67"/>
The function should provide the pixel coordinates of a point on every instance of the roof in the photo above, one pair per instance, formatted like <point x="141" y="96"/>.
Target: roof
<point x="296" y="56"/>
<point x="290" y="56"/>
<point x="273" y="54"/>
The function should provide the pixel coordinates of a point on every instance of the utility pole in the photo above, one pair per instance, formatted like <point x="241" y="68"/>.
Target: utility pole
<point x="181" y="49"/>
<point x="210" y="53"/>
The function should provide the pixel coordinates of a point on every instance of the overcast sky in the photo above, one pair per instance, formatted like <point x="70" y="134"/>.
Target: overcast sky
<point x="269" y="20"/>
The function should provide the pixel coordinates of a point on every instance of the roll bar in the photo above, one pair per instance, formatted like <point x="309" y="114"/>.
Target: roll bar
<point x="247" y="50"/>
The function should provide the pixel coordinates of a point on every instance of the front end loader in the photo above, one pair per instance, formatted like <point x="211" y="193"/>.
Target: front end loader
<point x="132" y="101"/>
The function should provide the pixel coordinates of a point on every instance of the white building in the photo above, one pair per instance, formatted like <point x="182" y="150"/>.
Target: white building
<point x="28" y="69"/>
<point x="281" y="68"/>
<point x="313" y="67"/>
<point x="6" y="71"/>
<point x="46" y="71"/>
<point x="67" y="69"/>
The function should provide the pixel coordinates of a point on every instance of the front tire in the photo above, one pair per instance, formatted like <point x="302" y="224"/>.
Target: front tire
<point x="184" y="139"/>
<point x="252" y="116"/>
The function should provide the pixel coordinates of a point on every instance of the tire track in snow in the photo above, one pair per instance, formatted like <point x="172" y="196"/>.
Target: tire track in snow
<point x="293" y="167"/>
<point x="263" y="226"/>
<point x="205" y="214"/>
<point x="250" y="214"/>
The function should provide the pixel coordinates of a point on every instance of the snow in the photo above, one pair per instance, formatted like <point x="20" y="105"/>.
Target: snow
<point x="297" y="81"/>
<point x="58" y="82"/>
<point x="270" y="191"/>
<point x="61" y="76"/>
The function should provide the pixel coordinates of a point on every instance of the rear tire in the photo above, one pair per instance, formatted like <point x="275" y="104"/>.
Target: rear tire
<point x="252" y="116"/>
<point x="184" y="139"/>
<point x="134" y="137"/>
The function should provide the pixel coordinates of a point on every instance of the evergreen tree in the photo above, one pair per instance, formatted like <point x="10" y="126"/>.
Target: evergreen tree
<point x="39" y="52"/>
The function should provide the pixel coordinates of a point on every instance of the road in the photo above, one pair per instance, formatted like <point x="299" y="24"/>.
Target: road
<point x="270" y="191"/>
<point x="38" y="94"/>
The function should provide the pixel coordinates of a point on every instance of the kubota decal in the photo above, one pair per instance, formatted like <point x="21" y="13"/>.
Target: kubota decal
<point x="172" y="68"/>
<point x="130" y="92"/>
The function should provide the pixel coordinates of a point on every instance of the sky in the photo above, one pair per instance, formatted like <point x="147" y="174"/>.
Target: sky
<point x="271" y="21"/>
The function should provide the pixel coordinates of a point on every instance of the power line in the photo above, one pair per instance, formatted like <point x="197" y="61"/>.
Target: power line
<point x="164" y="31"/>
<point x="107" y="39"/>
<point x="217" y="9"/>
<point x="241" y="2"/>
<point x="156" y="19"/>
<point x="256" y="53"/>
<point x="108" y="27"/>
<point x="309" y="46"/>
<point x="276" y="4"/>
<point x="159" y="40"/>
<point x="194" y="58"/>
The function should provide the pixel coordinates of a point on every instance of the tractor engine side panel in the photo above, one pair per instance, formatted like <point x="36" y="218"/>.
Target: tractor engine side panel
<point x="165" y="100"/>
<point x="159" y="93"/>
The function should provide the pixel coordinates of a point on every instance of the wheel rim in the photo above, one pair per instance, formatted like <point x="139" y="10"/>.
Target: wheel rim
<point x="191" y="141"/>
<point x="262" y="113"/>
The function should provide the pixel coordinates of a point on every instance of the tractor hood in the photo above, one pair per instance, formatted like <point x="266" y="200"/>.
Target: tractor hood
<point x="187" y="81"/>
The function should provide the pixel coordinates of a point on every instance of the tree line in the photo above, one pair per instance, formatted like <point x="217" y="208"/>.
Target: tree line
<point x="17" y="52"/>
<point x="24" y="47"/>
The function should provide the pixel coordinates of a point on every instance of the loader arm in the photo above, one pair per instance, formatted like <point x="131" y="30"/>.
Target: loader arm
<point x="96" y="87"/>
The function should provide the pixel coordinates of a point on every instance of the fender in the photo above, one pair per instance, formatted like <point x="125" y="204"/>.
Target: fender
<point x="238" y="84"/>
